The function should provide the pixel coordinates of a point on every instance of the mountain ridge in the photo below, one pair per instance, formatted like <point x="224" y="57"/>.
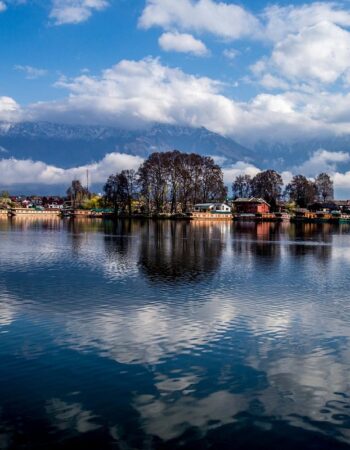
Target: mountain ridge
<point x="74" y="145"/>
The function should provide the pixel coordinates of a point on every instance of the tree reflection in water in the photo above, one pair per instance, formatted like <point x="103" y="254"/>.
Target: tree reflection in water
<point x="179" y="251"/>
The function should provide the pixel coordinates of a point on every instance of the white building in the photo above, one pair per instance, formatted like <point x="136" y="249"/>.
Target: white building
<point x="212" y="207"/>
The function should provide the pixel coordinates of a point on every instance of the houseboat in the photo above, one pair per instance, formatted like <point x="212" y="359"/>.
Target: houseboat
<point x="76" y="213"/>
<point x="102" y="213"/>
<point x="211" y="211"/>
<point x="37" y="212"/>
<point x="322" y="216"/>
<point x="256" y="210"/>
<point x="340" y="217"/>
<point x="96" y="213"/>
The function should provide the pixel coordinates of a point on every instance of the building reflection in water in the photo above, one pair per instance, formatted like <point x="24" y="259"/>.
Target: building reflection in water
<point x="30" y="223"/>
<point x="257" y="239"/>
<point x="270" y="241"/>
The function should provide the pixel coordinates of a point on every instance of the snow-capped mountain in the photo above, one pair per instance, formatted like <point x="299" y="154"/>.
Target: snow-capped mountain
<point x="74" y="145"/>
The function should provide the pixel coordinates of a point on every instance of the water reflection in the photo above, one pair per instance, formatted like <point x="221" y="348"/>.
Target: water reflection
<point x="181" y="251"/>
<point x="142" y="334"/>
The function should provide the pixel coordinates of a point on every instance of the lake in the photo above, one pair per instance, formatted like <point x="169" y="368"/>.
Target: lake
<point x="166" y="335"/>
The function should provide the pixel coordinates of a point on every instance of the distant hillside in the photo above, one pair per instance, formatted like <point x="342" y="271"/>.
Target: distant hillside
<point x="74" y="145"/>
<point x="71" y="145"/>
<point x="284" y="155"/>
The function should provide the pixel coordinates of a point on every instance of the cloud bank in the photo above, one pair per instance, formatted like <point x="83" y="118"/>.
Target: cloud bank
<point x="18" y="172"/>
<point x="15" y="171"/>
<point x="138" y="93"/>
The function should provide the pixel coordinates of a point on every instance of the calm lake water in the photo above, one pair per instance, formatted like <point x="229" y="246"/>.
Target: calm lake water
<point x="162" y="335"/>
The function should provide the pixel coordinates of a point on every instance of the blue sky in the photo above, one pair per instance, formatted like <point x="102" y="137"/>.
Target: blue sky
<point x="28" y="37"/>
<point x="252" y="70"/>
<point x="284" y="68"/>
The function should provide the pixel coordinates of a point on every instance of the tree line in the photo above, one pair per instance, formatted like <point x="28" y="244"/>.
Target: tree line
<point x="174" y="182"/>
<point x="167" y="182"/>
<point x="269" y="186"/>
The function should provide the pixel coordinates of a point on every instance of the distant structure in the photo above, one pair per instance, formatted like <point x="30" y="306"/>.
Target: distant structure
<point x="251" y="206"/>
<point x="212" y="207"/>
<point x="211" y="211"/>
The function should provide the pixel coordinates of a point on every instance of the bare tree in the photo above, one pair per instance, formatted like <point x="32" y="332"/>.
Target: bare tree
<point x="324" y="185"/>
<point x="77" y="193"/>
<point x="175" y="180"/>
<point x="268" y="185"/>
<point x="301" y="191"/>
<point x="130" y="186"/>
<point x="116" y="192"/>
<point x="242" y="186"/>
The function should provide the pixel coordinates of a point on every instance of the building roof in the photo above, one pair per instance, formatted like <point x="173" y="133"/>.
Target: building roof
<point x="341" y="202"/>
<point x="207" y="205"/>
<point x="250" y="200"/>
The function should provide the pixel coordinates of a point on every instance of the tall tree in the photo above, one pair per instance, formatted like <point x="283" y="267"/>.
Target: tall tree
<point x="153" y="180"/>
<point x="116" y="192"/>
<point x="301" y="191"/>
<point x="77" y="193"/>
<point x="213" y="185"/>
<point x="242" y="186"/>
<point x="324" y="185"/>
<point x="173" y="180"/>
<point x="268" y="185"/>
<point x="130" y="186"/>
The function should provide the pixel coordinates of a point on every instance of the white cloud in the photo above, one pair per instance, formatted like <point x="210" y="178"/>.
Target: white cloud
<point x="239" y="168"/>
<point x="322" y="161"/>
<point x="138" y="93"/>
<point x="226" y="20"/>
<point x="9" y="109"/>
<point x="75" y="11"/>
<point x="31" y="72"/>
<point x="182" y="42"/>
<point x="135" y="93"/>
<point x="271" y="82"/>
<point x="230" y="53"/>
<point x="310" y="44"/>
<point x="341" y="180"/>
<point x="274" y="103"/>
<point x="3" y="6"/>
<point x="320" y="52"/>
<point x="14" y="171"/>
<point x="281" y="22"/>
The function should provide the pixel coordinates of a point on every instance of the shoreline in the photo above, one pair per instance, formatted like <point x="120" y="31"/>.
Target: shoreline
<point x="87" y="215"/>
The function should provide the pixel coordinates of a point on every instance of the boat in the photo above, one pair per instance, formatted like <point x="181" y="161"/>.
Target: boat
<point x="262" y="217"/>
<point x="211" y="211"/>
<point x="38" y="212"/>
<point x="306" y="216"/>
